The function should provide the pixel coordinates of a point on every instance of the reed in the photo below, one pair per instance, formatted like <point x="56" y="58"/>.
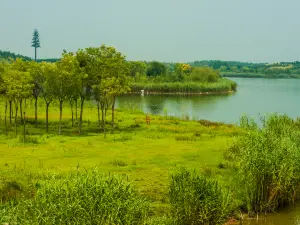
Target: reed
<point x="196" y="199"/>
<point x="79" y="198"/>
<point x="223" y="85"/>
<point x="268" y="160"/>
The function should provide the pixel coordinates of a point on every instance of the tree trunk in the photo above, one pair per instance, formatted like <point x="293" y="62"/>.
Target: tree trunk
<point x="24" y="124"/>
<point x="10" y="111"/>
<point x="98" y="107"/>
<point x="81" y="112"/>
<point x="103" y="122"/>
<point x="5" y="117"/>
<point x="21" y="111"/>
<point x="72" y="111"/>
<point x="35" y="54"/>
<point x="76" y="108"/>
<point x="60" y="116"/>
<point x="47" y="115"/>
<point x="113" y="115"/>
<point x="35" y="111"/>
<point x="16" y="115"/>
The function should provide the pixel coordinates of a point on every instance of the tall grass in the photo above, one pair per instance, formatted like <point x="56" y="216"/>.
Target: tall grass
<point x="89" y="198"/>
<point x="268" y="160"/>
<point x="223" y="85"/>
<point x="196" y="199"/>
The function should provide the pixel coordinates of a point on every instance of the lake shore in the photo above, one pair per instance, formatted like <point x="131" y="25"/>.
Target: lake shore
<point x="255" y="75"/>
<point x="181" y="93"/>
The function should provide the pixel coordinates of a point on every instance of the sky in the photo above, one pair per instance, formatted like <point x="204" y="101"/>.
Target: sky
<point x="163" y="30"/>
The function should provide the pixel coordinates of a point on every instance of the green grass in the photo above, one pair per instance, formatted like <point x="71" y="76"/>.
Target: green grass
<point x="144" y="154"/>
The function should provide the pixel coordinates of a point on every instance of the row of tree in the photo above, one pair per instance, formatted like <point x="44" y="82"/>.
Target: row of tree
<point x="99" y="73"/>
<point x="255" y="68"/>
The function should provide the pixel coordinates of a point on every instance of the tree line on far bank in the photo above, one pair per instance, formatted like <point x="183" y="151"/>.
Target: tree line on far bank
<point x="224" y="67"/>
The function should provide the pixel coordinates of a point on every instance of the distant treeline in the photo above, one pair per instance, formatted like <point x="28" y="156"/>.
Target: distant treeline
<point x="226" y="68"/>
<point x="234" y="68"/>
<point x="7" y="55"/>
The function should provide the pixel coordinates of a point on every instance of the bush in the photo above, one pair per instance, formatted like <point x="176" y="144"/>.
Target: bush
<point x="118" y="162"/>
<point x="203" y="74"/>
<point x="88" y="198"/>
<point x="196" y="199"/>
<point x="268" y="160"/>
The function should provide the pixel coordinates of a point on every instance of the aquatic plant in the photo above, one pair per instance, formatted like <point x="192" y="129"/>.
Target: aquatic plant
<point x="196" y="199"/>
<point x="268" y="160"/>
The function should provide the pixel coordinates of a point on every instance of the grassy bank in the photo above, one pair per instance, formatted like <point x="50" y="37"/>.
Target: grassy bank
<point x="166" y="172"/>
<point x="144" y="155"/>
<point x="223" y="85"/>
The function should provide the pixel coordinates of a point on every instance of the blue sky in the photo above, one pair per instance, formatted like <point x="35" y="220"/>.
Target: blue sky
<point x="164" y="30"/>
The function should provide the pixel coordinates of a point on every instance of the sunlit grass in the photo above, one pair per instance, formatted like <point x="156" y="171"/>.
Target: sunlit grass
<point x="140" y="153"/>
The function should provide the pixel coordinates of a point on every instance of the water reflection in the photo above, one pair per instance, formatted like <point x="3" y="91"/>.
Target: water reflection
<point x="290" y="216"/>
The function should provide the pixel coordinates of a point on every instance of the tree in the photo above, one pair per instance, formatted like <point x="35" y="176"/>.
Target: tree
<point x="137" y="68"/>
<point x="18" y="87"/>
<point x="63" y="82"/>
<point x="223" y="68"/>
<point x="82" y="80"/>
<point x="21" y="66"/>
<point x="203" y="74"/>
<point x="156" y="68"/>
<point x="181" y="70"/>
<point x="35" y="71"/>
<point x="35" y="43"/>
<point x="110" y="74"/>
<point x="4" y="66"/>
<point x="49" y="73"/>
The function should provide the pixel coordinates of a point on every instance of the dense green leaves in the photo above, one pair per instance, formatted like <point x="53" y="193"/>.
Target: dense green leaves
<point x="198" y="200"/>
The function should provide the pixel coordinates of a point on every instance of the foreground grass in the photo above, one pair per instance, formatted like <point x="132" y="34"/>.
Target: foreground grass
<point x="143" y="154"/>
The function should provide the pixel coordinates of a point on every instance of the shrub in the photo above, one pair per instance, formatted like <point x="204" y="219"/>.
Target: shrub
<point x="268" y="160"/>
<point x="118" y="162"/>
<point x="196" y="199"/>
<point x="203" y="74"/>
<point x="185" y="138"/>
<point x="89" y="198"/>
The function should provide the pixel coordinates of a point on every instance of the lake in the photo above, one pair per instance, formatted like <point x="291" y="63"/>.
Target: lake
<point x="254" y="97"/>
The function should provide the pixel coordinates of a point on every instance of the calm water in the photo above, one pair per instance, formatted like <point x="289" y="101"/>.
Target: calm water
<point x="254" y="97"/>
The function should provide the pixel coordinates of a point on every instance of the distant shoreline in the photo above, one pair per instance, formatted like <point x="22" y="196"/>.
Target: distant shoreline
<point x="180" y="93"/>
<point x="254" y="75"/>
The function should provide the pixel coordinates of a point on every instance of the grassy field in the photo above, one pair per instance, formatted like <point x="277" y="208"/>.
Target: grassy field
<point x="144" y="154"/>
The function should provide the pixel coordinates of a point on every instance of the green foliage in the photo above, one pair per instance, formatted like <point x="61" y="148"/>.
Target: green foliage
<point x="223" y="85"/>
<point x="9" y="55"/>
<point x="156" y="69"/>
<point x="35" y="39"/>
<point x="137" y="68"/>
<point x="268" y="161"/>
<point x="89" y="198"/>
<point x="203" y="75"/>
<point x="196" y="199"/>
